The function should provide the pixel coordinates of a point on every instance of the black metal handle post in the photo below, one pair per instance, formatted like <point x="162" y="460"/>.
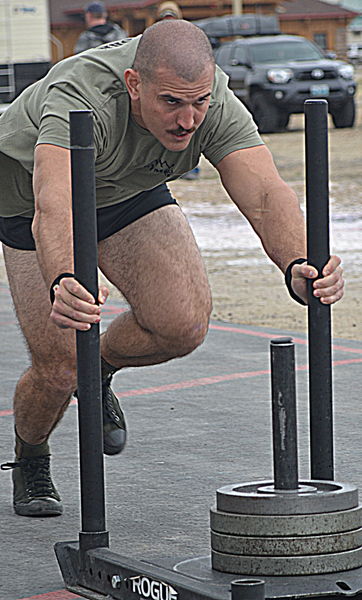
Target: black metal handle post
<point x="88" y="349"/>
<point x="284" y="414"/>
<point x="248" y="589"/>
<point x="319" y="315"/>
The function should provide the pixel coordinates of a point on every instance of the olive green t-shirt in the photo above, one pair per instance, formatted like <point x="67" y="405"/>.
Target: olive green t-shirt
<point x="128" y="158"/>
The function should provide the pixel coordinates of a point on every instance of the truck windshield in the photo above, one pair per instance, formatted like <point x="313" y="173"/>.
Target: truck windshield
<point x="284" y="51"/>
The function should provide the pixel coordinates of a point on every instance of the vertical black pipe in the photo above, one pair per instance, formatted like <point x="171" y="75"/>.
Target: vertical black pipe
<point x="284" y="414"/>
<point x="319" y="315"/>
<point x="88" y="350"/>
<point x="248" y="589"/>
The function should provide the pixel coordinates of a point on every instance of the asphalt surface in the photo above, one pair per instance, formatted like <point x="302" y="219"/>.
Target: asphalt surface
<point x="195" y="424"/>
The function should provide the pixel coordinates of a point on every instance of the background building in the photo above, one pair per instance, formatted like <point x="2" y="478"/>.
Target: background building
<point x="323" y="22"/>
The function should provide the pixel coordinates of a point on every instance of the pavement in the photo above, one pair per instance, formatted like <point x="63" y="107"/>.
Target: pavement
<point x="195" y="424"/>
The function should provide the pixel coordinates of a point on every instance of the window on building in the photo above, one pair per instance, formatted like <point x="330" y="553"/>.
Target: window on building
<point x="321" y="40"/>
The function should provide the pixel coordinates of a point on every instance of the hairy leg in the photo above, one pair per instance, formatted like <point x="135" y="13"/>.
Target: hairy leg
<point x="156" y="264"/>
<point x="47" y="385"/>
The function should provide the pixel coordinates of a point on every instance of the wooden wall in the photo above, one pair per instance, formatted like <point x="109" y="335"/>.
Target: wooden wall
<point x="334" y="30"/>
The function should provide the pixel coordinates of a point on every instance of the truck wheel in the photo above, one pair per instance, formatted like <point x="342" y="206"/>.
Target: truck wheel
<point x="283" y="120"/>
<point x="344" y="116"/>
<point x="267" y="116"/>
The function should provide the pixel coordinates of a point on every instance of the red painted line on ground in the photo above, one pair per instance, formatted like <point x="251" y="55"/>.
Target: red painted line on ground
<point x="182" y="385"/>
<point x="262" y="334"/>
<point x="347" y="361"/>
<point x="216" y="379"/>
<point x="57" y="595"/>
<point x="296" y="340"/>
<point x="347" y="349"/>
<point x="192" y="383"/>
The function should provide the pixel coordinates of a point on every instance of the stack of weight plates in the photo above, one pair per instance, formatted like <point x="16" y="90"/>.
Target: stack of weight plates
<point x="258" y="530"/>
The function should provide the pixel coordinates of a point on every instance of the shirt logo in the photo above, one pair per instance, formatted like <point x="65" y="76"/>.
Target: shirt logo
<point x="114" y="44"/>
<point x="161" y="166"/>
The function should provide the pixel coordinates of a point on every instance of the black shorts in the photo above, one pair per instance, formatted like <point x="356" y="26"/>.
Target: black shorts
<point x="16" y="231"/>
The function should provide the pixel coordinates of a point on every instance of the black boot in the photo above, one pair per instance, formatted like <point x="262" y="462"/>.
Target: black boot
<point x="34" y="492"/>
<point x="114" y="424"/>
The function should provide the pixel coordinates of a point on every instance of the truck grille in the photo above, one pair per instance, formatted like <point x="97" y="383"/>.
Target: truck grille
<point x="307" y="75"/>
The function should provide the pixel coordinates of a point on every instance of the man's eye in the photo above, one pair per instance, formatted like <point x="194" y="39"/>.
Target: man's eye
<point x="171" y="101"/>
<point x="201" y="101"/>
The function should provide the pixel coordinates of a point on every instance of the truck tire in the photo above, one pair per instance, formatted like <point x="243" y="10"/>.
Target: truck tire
<point x="283" y="120"/>
<point x="345" y="115"/>
<point x="266" y="116"/>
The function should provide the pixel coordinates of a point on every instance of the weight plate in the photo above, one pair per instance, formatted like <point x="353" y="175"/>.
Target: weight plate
<point x="286" y="546"/>
<point x="274" y="525"/>
<point x="292" y="565"/>
<point x="246" y="498"/>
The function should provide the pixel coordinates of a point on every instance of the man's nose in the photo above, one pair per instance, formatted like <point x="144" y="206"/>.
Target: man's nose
<point x="186" y="117"/>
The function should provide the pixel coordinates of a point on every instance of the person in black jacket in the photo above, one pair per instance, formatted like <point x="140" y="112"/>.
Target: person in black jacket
<point x="99" y="31"/>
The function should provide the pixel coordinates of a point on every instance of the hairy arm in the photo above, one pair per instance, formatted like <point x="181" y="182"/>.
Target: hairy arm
<point x="253" y="183"/>
<point x="52" y="224"/>
<point x="52" y="230"/>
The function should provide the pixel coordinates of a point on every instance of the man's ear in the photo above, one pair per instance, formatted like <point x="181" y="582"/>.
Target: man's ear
<point x="133" y="81"/>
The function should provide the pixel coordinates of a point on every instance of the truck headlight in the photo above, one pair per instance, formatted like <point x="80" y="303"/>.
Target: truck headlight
<point x="346" y="71"/>
<point x="279" y="75"/>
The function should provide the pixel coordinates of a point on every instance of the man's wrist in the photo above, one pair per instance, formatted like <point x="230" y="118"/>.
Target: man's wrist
<point x="288" y="279"/>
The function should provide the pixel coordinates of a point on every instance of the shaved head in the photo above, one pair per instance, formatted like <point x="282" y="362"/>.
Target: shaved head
<point x="177" y="45"/>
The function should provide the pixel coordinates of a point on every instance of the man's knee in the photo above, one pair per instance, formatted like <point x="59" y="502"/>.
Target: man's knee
<point x="59" y="377"/>
<point x="183" y="334"/>
<point x="185" y="342"/>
